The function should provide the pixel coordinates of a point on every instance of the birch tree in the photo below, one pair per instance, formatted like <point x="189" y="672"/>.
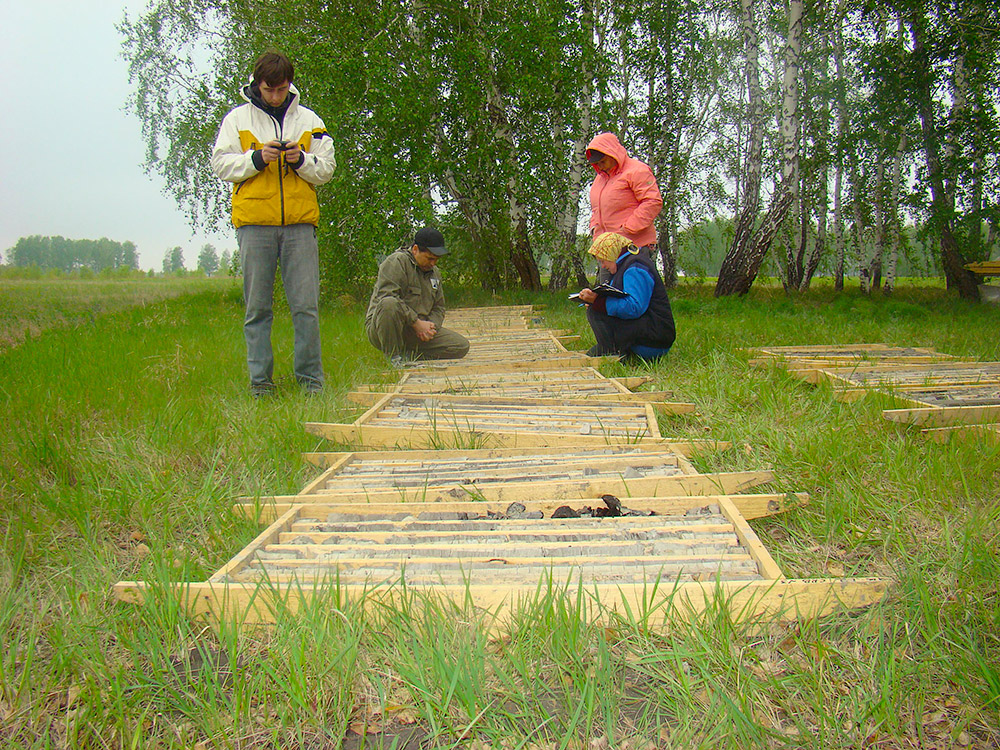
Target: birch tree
<point x="739" y="270"/>
<point x="922" y="79"/>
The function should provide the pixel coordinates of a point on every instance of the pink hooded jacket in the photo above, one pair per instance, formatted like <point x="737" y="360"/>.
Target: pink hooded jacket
<point x="627" y="199"/>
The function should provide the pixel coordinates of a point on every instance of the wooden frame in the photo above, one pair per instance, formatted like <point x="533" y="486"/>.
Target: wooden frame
<point x="945" y="395"/>
<point x="408" y="420"/>
<point x="288" y="578"/>
<point x="584" y="382"/>
<point x="833" y="355"/>
<point x="370" y="398"/>
<point x="941" y="422"/>
<point x="478" y="526"/>
<point x="688" y="485"/>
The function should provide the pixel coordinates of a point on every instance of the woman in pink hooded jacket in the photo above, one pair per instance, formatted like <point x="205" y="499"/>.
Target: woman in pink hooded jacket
<point x="624" y="197"/>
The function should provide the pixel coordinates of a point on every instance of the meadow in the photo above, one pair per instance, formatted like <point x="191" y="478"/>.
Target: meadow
<point x="128" y="430"/>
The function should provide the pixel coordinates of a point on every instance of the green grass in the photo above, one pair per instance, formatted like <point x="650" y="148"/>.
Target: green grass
<point x="126" y="438"/>
<point x="30" y="306"/>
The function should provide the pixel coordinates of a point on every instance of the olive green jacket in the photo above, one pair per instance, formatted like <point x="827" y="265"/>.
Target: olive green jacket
<point x="420" y="291"/>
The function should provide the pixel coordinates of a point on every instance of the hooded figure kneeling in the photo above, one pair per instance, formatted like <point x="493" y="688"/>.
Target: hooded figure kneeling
<point x="638" y="324"/>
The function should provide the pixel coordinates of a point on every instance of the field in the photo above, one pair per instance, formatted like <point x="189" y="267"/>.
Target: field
<point x="32" y="306"/>
<point x="128" y="430"/>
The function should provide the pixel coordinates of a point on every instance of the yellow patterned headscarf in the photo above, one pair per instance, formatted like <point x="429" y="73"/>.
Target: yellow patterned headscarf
<point x="609" y="246"/>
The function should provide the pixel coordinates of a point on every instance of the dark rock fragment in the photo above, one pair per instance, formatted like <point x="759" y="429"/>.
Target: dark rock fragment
<point x="613" y="503"/>
<point x="564" y="511"/>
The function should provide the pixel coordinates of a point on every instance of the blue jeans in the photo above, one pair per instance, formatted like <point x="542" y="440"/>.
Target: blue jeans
<point x="261" y="249"/>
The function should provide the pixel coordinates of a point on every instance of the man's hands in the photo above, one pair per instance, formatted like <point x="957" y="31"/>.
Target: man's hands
<point x="272" y="151"/>
<point x="589" y="296"/>
<point x="425" y="330"/>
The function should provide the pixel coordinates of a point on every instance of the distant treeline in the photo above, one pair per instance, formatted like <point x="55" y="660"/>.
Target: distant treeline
<point x="69" y="255"/>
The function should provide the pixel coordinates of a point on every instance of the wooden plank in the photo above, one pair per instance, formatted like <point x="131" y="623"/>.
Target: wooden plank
<point x="749" y="506"/>
<point x="985" y="267"/>
<point x="427" y="378"/>
<point x="657" y="396"/>
<point x="545" y="529"/>
<point x="751" y="542"/>
<point x="934" y="416"/>
<point x="607" y="400"/>
<point x="268" y="535"/>
<point x="332" y="469"/>
<point x="449" y="415"/>
<point x="944" y="396"/>
<point x="510" y="576"/>
<point x="813" y="348"/>
<point x="324" y="460"/>
<point x="409" y="472"/>
<point x="654" y="426"/>
<point x="842" y="362"/>
<point x="849" y="352"/>
<point x="658" y="603"/>
<point x="426" y="466"/>
<point x="639" y="556"/>
<point x="552" y="362"/>
<point x="632" y="382"/>
<point x="889" y="381"/>
<point x="920" y="370"/>
<point x="426" y="577"/>
<point x="375" y="408"/>
<point x="670" y="408"/>
<point x="373" y="436"/>
<point x="450" y="424"/>
<point x="508" y="492"/>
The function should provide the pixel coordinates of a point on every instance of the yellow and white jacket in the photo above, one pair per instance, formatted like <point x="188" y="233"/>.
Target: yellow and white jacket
<point x="279" y="194"/>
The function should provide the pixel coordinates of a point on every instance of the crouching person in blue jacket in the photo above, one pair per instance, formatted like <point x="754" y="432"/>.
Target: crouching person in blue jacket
<point x="639" y="324"/>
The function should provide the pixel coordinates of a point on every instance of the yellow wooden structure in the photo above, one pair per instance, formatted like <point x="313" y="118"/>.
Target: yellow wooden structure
<point x="518" y="467"/>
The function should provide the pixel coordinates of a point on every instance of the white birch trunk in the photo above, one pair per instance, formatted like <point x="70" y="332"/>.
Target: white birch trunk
<point x="739" y="270"/>
<point x="790" y="126"/>
<point x="894" y="223"/>
<point x="838" y="219"/>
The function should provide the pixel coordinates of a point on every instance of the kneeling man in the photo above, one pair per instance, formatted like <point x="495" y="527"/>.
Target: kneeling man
<point x="406" y="311"/>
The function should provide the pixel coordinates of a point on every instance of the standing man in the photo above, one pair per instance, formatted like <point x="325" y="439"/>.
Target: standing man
<point x="406" y="310"/>
<point x="275" y="152"/>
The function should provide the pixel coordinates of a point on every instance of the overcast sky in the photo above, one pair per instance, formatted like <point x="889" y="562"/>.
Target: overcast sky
<point x="72" y="159"/>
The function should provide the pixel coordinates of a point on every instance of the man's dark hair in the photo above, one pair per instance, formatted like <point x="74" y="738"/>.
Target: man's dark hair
<point x="273" y="68"/>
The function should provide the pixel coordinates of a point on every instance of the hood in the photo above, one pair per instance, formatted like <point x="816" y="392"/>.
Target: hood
<point x="608" y="143"/>
<point x="254" y="98"/>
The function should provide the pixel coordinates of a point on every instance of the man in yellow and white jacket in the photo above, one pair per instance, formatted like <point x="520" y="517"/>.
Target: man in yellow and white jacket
<point x="275" y="152"/>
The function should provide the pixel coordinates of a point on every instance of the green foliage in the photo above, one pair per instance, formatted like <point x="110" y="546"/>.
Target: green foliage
<point x="59" y="253"/>
<point x="208" y="260"/>
<point x="704" y="245"/>
<point x="468" y="115"/>
<point x="173" y="260"/>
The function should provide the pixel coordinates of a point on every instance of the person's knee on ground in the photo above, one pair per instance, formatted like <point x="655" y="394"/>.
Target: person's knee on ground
<point x="446" y="344"/>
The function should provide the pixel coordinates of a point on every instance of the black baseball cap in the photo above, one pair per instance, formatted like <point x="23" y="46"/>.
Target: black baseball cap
<point x="431" y="239"/>
<point x="594" y="156"/>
